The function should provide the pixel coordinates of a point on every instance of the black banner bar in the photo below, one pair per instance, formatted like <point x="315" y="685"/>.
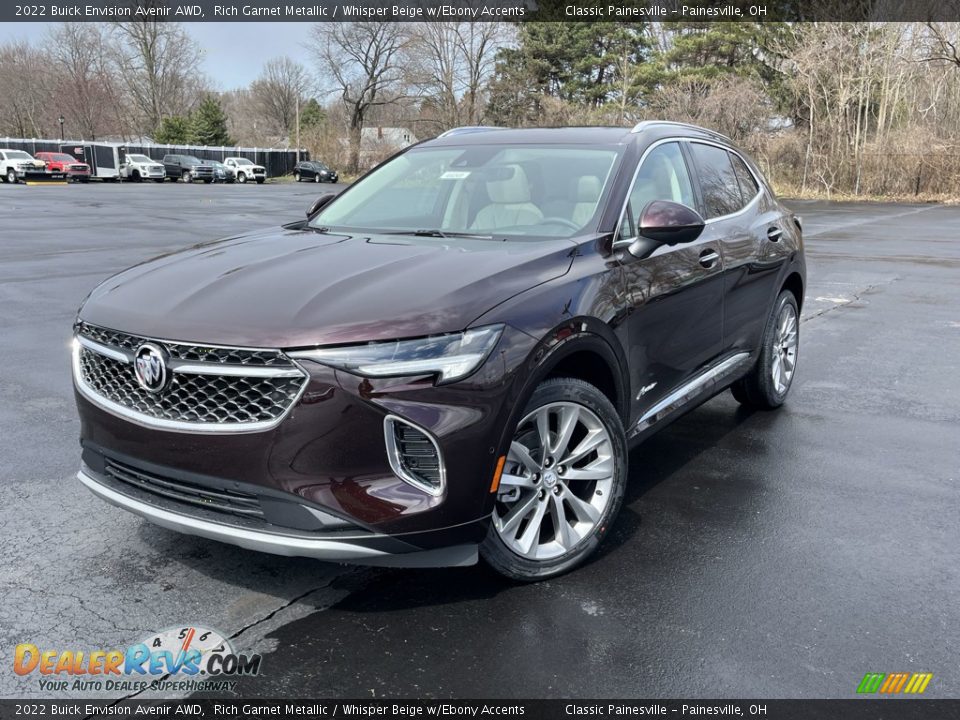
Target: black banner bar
<point x="480" y="10"/>
<point x="854" y="709"/>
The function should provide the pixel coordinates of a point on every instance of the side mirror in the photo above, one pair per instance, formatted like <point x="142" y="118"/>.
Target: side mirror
<point x="665" y="223"/>
<point x="320" y="203"/>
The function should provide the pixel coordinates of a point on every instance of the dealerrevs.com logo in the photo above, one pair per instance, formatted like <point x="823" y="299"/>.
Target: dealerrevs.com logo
<point x="190" y="658"/>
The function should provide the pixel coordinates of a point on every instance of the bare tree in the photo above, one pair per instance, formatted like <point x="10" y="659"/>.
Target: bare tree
<point x="85" y="88"/>
<point x="282" y="84"/>
<point x="158" y="62"/>
<point x="944" y="42"/>
<point x="25" y="86"/>
<point x="362" y="62"/>
<point x="451" y="63"/>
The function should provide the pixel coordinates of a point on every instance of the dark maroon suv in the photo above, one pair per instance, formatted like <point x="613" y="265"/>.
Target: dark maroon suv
<point x="453" y="355"/>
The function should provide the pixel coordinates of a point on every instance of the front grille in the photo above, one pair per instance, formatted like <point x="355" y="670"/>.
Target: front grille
<point x="220" y="499"/>
<point x="414" y="455"/>
<point x="213" y="388"/>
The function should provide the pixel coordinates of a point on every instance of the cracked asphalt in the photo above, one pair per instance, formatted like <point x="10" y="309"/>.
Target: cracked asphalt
<point x="771" y="555"/>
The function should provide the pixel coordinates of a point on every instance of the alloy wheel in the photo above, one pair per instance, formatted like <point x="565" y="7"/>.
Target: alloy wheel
<point x="556" y="483"/>
<point x="785" y="349"/>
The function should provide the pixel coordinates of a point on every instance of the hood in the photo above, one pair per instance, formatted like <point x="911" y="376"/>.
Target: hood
<point x="297" y="288"/>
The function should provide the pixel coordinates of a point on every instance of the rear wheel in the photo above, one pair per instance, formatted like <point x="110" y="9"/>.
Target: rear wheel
<point x="562" y="483"/>
<point x="296" y="177"/>
<point x="260" y="180"/>
<point x="316" y="178"/>
<point x="766" y="386"/>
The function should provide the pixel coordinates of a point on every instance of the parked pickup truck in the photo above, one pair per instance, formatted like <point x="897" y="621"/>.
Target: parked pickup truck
<point x="16" y="165"/>
<point x="61" y="162"/>
<point x="246" y="169"/>
<point x="188" y="168"/>
<point x="138" y="168"/>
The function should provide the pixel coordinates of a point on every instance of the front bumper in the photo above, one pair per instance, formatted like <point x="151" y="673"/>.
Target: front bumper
<point x="369" y="550"/>
<point x="328" y="455"/>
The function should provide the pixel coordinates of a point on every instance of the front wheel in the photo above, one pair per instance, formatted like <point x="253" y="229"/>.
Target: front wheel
<point x="241" y="178"/>
<point x="11" y="175"/>
<point x="766" y="386"/>
<point x="562" y="483"/>
<point x="187" y="176"/>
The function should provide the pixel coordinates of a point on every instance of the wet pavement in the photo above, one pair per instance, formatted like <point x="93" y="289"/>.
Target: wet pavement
<point x="777" y="554"/>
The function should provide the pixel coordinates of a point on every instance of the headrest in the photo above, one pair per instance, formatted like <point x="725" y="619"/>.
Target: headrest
<point x="588" y="189"/>
<point x="510" y="186"/>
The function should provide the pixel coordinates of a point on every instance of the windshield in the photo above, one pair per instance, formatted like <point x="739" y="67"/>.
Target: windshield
<point x="190" y="160"/>
<point x="139" y="158"/>
<point x="17" y="155"/>
<point x="482" y="190"/>
<point x="243" y="161"/>
<point x="62" y="157"/>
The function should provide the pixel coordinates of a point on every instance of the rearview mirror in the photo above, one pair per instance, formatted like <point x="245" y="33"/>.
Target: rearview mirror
<point x="665" y="223"/>
<point x="320" y="203"/>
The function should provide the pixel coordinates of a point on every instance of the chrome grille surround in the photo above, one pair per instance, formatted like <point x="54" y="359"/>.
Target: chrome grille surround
<point x="212" y="388"/>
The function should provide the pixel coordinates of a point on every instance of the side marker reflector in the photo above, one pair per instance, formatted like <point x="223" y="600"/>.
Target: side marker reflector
<point x="495" y="485"/>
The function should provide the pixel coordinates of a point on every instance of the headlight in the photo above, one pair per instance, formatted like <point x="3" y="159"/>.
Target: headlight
<point x="450" y="357"/>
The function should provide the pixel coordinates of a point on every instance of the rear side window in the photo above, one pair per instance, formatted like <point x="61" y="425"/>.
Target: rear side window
<point x="718" y="181"/>
<point x="748" y="183"/>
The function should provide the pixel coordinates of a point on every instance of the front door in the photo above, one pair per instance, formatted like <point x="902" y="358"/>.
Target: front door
<point x="674" y="297"/>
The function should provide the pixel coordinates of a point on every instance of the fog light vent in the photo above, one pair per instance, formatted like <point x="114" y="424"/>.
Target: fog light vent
<point x="414" y="455"/>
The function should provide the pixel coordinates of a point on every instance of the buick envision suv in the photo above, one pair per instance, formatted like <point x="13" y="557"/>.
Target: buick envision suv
<point x="451" y="357"/>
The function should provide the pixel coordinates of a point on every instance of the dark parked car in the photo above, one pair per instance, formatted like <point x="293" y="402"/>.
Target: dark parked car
<point x="454" y="354"/>
<point x="188" y="168"/>
<point x="314" y="171"/>
<point x="223" y="173"/>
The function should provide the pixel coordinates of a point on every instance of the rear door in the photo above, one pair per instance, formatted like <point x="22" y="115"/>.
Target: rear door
<point x="747" y="225"/>
<point x="674" y="297"/>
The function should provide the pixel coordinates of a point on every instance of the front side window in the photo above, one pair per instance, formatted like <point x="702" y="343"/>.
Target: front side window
<point x="662" y="175"/>
<point x="480" y="190"/>
<point x="718" y="181"/>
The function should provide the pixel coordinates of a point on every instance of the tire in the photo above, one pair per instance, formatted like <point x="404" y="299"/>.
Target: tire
<point x="207" y="181"/>
<point x="534" y="485"/>
<point x="296" y="177"/>
<point x="260" y="181"/>
<point x="136" y="176"/>
<point x="767" y="384"/>
<point x="316" y="178"/>
<point x="11" y="176"/>
<point x="241" y="178"/>
<point x="186" y="176"/>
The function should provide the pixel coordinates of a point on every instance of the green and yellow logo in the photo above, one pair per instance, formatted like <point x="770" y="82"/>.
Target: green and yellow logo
<point x="895" y="683"/>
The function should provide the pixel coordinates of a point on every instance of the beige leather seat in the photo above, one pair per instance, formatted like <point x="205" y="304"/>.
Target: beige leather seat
<point x="588" y="193"/>
<point x="509" y="203"/>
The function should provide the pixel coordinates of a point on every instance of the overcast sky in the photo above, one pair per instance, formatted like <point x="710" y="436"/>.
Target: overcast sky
<point x="234" y="53"/>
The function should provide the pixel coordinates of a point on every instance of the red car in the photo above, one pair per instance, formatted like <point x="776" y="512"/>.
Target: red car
<point x="61" y="162"/>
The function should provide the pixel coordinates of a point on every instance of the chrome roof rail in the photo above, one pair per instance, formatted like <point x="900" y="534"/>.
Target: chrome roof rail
<point x="644" y="124"/>
<point x="467" y="130"/>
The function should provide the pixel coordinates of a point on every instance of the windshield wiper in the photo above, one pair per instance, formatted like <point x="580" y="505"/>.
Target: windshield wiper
<point x="438" y="233"/>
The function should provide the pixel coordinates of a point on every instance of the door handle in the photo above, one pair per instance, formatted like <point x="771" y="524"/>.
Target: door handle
<point x="709" y="258"/>
<point x="774" y="234"/>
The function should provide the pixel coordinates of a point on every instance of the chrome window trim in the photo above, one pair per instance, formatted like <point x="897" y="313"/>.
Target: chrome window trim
<point x="149" y="421"/>
<point x="396" y="464"/>
<point x="618" y="244"/>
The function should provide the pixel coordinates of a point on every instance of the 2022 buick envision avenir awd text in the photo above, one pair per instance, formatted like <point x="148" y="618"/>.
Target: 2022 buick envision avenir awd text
<point x="452" y="356"/>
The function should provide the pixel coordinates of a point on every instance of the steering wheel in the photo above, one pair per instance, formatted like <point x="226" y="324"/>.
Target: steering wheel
<point x="555" y="220"/>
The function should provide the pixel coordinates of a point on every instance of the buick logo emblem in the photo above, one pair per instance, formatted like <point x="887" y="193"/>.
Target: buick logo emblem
<point x="150" y="368"/>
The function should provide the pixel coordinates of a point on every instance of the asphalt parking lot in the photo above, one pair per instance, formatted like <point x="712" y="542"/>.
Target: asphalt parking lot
<point x="757" y="555"/>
